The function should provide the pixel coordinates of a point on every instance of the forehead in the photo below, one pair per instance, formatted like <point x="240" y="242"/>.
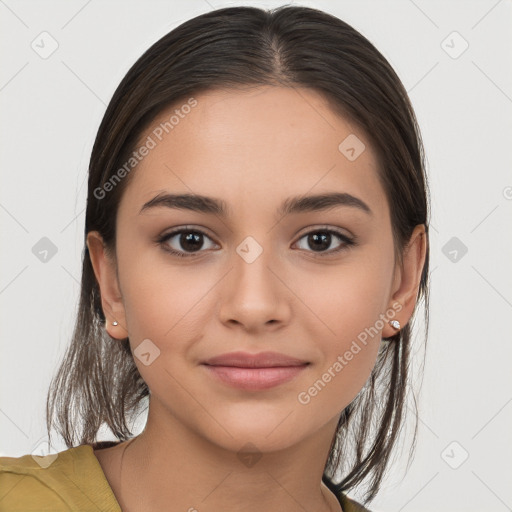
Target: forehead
<point x="258" y="144"/>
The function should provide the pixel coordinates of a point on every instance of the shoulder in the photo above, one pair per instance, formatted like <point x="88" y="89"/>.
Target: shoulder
<point x="63" y="481"/>
<point x="349" y="505"/>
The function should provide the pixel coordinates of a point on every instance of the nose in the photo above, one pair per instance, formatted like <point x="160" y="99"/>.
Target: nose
<point x="254" y="294"/>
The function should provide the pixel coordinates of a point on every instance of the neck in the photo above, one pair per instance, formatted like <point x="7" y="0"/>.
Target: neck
<point x="169" y="467"/>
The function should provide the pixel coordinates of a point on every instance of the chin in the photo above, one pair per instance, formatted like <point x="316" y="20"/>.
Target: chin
<point x="267" y="431"/>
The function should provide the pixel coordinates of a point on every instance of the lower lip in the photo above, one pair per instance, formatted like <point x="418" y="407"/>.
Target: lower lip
<point x="255" y="379"/>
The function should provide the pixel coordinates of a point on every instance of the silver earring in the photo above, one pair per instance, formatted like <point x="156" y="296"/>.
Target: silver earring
<point x="395" y="324"/>
<point x="114" y="323"/>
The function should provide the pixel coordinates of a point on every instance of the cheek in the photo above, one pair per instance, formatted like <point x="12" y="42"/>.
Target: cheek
<point x="169" y="306"/>
<point x="161" y="299"/>
<point x="349" y="308"/>
<point x="349" y="298"/>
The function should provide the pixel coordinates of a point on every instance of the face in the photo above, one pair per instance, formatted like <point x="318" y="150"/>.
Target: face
<point x="316" y="281"/>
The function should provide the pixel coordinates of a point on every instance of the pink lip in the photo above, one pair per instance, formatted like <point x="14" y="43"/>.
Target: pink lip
<point x="247" y="360"/>
<point x="254" y="371"/>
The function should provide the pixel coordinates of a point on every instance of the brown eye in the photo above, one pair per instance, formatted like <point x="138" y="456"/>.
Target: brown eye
<point x="185" y="242"/>
<point x="320" y="241"/>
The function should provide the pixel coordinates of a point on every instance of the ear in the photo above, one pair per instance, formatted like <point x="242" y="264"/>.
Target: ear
<point x="104" y="266"/>
<point x="407" y="279"/>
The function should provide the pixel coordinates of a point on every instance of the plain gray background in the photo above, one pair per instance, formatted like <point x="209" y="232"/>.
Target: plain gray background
<point x="52" y="106"/>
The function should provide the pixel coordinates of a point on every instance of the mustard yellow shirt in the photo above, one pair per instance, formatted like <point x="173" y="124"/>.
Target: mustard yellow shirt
<point x="71" y="480"/>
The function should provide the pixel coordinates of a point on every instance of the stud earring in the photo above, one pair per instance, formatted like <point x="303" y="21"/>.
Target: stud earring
<point x="395" y="324"/>
<point x="114" y="323"/>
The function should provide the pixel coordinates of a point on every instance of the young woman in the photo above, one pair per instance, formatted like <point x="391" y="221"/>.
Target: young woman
<point x="256" y="244"/>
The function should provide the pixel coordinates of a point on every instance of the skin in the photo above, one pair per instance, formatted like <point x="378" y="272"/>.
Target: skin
<point x="252" y="149"/>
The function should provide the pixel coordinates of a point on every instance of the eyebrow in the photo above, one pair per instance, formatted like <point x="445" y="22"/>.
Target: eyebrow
<point x="298" y="204"/>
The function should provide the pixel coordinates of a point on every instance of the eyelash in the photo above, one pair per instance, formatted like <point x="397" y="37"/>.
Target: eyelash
<point x="347" y="242"/>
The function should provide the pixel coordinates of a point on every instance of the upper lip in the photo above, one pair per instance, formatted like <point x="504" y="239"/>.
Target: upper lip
<point x="261" y="360"/>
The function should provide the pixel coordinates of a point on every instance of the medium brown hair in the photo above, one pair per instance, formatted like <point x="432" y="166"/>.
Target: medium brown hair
<point x="98" y="382"/>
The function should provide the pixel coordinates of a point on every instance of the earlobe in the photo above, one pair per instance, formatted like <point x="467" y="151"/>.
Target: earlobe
<point x="104" y="268"/>
<point x="407" y="279"/>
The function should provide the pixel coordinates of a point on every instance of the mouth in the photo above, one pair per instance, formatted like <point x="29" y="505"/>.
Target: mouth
<point x="254" y="372"/>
